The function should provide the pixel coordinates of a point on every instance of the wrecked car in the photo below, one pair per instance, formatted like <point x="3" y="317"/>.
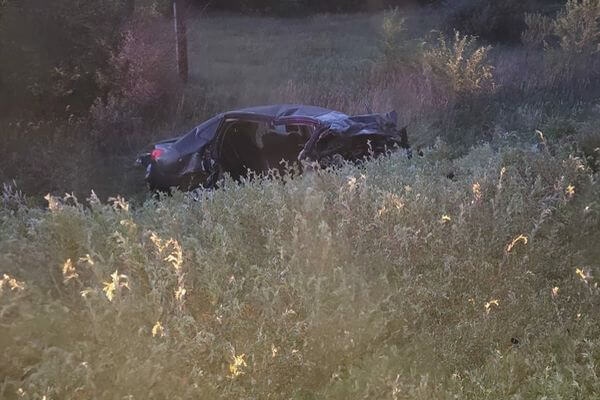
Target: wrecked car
<point x="258" y="139"/>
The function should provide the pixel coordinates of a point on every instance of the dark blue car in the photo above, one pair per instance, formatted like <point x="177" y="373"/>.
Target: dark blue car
<point x="261" y="138"/>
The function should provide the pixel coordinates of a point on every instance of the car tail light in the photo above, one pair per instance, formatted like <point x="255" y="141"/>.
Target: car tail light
<point x="156" y="153"/>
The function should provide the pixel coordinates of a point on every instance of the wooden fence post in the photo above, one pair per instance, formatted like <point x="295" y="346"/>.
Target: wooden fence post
<point x="180" y="39"/>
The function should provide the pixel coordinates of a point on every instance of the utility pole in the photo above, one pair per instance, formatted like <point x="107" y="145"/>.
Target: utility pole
<point x="180" y="39"/>
<point x="130" y="8"/>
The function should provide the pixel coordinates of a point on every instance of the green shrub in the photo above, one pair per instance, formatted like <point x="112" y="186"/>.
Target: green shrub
<point x="51" y="52"/>
<point x="54" y="52"/>
<point x="575" y="29"/>
<point x="571" y="43"/>
<point x="539" y="32"/>
<point x="589" y="144"/>
<point x="490" y="20"/>
<point x="397" y="50"/>
<point x="461" y="64"/>
<point x="578" y="26"/>
<point x="140" y="83"/>
<point x="558" y="128"/>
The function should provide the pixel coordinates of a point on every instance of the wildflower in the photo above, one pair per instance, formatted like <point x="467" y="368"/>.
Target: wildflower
<point x="86" y="292"/>
<point x="109" y="289"/>
<point x="69" y="272"/>
<point x="157" y="241"/>
<point x="489" y="304"/>
<point x="554" y="292"/>
<point x="176" y="255"/>
<point x="158" y="330"/>
<point x="476" y="188"/>
<point x="53" y="202"/>
<point x="520" y="238"/>
<point x="445" y="219"/>
<point x="274" y="350"/>
<point x="12" y="283"/>
<point x="180" y="293"/>
<point x="119" y="203"/>
<point x="118" y="281"/>
<point x="570" y="191"/>
<point x="584" y="274"/>
<point x="87" y="259"/>
<point x="235" y="367"/>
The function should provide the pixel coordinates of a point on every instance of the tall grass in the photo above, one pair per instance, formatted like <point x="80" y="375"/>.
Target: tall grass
<point x="456" y="88"/>
<point x="388" y="280"/>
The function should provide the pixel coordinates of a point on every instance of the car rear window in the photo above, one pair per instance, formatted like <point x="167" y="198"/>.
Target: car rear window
<point x="195" y="139"/>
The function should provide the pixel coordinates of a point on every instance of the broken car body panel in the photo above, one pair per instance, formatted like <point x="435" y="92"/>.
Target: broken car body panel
<point x="263" y="138"/>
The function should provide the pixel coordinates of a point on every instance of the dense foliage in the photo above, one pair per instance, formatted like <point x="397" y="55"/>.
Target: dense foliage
<point x="58" y="57"/>
<point x="385" y="281"/>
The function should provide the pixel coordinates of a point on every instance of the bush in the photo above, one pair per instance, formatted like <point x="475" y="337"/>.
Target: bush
<point x="461" y="64"/>
<point x="575" y="29"/>
<point x="491" y="20"/>
<point x="52" y="50"/>
<point x="578" y="26"/>
<point x="539" y="32"/>
<point x="444" y="81"/>
<point x="571" y="44"/>
<point x="397" y="50"/>
<point x="141" y="81"/>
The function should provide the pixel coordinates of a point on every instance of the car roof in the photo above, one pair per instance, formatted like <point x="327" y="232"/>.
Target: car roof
<point x="277" y="111"/>
<point x="202" y="134"/>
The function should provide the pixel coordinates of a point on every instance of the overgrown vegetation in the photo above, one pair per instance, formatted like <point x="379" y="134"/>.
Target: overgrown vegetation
<point x="470" y="272"/>
<point x="385" y="281"/>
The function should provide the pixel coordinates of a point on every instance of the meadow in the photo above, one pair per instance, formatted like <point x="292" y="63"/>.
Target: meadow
<point x="469" y="271"/>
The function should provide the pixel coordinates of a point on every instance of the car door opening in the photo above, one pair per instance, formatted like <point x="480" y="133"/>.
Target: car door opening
<point x="259" y="147"/>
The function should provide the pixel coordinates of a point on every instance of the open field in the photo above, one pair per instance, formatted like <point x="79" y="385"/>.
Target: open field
<point x="470" y="272"/>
